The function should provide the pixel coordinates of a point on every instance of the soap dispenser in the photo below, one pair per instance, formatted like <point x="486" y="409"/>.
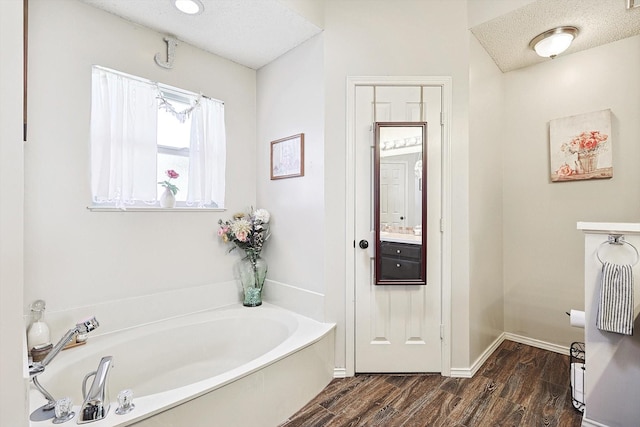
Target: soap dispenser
<point x="38" y="335"/>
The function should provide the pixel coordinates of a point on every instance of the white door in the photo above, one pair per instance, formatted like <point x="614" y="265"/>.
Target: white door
<point x="393" y="194"/>
<point x="397" y="328"/>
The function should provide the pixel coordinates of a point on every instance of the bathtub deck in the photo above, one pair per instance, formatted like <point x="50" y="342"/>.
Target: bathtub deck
<point x="518" y="386"/>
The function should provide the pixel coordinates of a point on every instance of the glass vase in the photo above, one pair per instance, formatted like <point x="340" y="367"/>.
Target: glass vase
<point x="253" y="271"/>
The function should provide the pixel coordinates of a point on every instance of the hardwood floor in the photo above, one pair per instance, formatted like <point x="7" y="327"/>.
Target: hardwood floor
<point x="518" y="386"/>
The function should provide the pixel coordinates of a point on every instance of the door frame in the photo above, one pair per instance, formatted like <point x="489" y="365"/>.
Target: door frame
<point x="445" y="82"/>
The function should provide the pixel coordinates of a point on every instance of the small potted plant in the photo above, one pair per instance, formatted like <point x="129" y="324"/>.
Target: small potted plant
<point x="168" y="198"/>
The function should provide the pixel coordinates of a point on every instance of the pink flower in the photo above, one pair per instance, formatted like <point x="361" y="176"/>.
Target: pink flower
<point x="565" y="170"/>
<point x="172" y="174"/>
<point x="242" y="236"/>
<point x="222" y="231"/>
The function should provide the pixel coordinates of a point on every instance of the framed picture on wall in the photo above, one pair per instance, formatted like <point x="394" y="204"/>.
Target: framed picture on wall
<point x="580" y="147"/>
<point x="287" y="157"/>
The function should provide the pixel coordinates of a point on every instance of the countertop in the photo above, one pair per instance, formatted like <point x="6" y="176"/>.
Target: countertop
<point x="400" y="238"/>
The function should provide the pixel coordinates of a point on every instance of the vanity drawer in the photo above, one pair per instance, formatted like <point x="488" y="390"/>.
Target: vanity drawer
<point x="396" y="268"/>
<point x="400" y="250"/>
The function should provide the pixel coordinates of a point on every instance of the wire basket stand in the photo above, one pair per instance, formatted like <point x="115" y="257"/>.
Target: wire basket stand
<point x="577" y="367"/>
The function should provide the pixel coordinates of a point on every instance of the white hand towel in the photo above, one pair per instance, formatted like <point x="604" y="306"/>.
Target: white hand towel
<point x="615" y="311"/>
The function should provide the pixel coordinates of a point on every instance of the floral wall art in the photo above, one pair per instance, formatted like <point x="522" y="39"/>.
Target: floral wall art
<point x="580" y="147"/>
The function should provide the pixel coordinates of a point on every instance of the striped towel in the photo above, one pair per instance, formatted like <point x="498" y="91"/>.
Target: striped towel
<point x="615" y="311"/>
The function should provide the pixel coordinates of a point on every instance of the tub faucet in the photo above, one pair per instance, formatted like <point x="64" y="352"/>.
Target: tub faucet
<point x="96" y="402"/>
<point x="36" y="368"/>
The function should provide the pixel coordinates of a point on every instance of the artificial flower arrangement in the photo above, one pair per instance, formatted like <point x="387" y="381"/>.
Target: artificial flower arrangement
<point x="247" y="232"/>
<point x="171" y="174"/>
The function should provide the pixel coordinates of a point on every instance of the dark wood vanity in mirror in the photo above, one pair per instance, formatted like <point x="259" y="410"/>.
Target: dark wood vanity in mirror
<point x="400" y="203"/>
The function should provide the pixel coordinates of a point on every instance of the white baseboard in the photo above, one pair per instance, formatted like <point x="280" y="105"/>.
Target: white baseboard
<point x="339" y="373"/>
<point x="461" y="373"/>
<point x="471" y="371"/>
<point x="537" y="343"/>
<point x="586" y="422"/>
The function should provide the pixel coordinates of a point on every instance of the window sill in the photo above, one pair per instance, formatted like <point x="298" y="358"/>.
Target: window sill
<point x="152" y="209"/>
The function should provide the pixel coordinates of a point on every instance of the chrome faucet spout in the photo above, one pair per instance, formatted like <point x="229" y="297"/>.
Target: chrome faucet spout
<point x="96" y="402"/>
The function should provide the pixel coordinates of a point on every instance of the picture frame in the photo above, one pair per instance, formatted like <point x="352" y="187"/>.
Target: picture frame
<point x="287" y="157"/>
<point x="580" y="147"/>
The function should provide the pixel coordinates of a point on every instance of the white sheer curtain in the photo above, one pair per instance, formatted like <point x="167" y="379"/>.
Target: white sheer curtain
<point x="207" y="155"/>
<point x="124" y="115"/>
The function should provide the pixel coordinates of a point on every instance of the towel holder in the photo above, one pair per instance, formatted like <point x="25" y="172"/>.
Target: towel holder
<point x="617" y="239"/>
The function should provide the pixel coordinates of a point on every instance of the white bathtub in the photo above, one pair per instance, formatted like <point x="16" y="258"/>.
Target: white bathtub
<point x="229" y="367"/>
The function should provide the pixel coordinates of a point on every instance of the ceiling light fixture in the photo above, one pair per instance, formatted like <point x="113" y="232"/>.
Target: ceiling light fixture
<point x="553" y="42"/>
<point x="190" y="7"/>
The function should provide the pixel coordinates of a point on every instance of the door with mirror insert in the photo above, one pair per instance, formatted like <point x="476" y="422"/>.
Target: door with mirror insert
<point x="397" y="207"/>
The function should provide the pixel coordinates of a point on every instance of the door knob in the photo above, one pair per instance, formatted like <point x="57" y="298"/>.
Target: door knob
<point x="363" y="244"/>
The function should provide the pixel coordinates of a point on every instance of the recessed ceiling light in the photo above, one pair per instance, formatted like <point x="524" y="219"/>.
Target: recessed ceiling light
<point x="190" y="7"/>
<point x="553" y="42"/>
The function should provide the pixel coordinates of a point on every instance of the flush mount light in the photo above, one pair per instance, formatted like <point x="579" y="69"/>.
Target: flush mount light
<point x="190" y="7"/>
<point x="553" y="42"/>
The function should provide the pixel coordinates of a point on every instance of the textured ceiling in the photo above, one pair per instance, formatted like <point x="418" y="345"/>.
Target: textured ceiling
<point x="255" y="32"/>
<point x="249" y="32"/>
<point x="506" y="38"/>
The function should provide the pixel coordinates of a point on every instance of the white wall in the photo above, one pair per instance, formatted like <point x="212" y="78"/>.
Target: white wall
<point x="74" y="257"/>
<point x="486" y="119"/>
<point x="543" y="251"/>
<point x="378" y="38"/>
<point x="13" y="390"/>
<point x="291" y="101"/>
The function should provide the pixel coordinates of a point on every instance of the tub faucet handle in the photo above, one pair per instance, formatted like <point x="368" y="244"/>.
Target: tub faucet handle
<point x="125" y="402"/>
<point x="63" y="410"/>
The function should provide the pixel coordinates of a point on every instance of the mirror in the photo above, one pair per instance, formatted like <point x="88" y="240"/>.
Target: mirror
<point x="400" y="203"/>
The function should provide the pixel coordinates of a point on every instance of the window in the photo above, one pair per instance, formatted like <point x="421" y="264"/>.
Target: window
<point x="174" y="131"/>
<point x="141" y="129"/>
